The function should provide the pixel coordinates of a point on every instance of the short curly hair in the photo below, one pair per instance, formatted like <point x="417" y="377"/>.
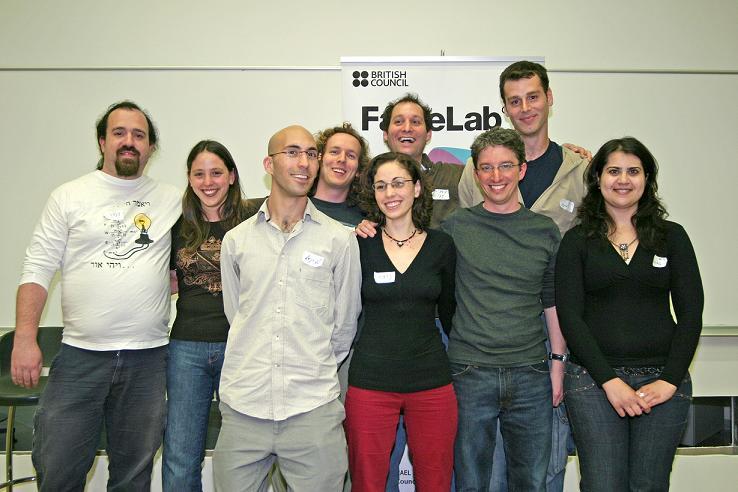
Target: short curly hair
<point x="321" y="139"/>
<point x="422" y="206"/>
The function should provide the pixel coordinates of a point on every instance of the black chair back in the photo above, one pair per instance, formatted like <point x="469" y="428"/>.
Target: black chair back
<point x="49" y="340"/>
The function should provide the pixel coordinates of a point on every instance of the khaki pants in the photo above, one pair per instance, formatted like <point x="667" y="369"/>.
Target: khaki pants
<point x="309" y="448"/>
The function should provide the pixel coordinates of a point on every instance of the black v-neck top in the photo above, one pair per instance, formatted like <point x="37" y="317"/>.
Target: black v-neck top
<point x="614" y="314"/>
<point x="399" y="348"/>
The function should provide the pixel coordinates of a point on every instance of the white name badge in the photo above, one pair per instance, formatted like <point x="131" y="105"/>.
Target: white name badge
<point x="441" y="194"/>
<point x="114" y="214"/>
<point x="567" y="205"/>
<point x="384" y="277"/>
<point x="659" y="262"/>
<point x="311" y="259"/>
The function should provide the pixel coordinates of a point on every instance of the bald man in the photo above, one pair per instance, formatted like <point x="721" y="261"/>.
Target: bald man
<point x="291" y="291"/>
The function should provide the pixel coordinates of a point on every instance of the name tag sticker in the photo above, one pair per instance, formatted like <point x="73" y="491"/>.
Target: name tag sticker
<point x="384" y="277"/>
<point x="567" y="205"/>
<point x="441" y="194"/>
<point x="114" y="214"/>
<point x="311" y="259"/>
<point x="659" y="262"/>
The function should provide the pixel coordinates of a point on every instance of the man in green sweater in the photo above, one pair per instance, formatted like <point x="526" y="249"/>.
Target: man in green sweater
<point x="504" y="279"/>
<point x="553" y="186"/>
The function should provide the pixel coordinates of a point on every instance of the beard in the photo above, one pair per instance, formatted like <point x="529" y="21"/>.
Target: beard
<point x="127" y="167"/>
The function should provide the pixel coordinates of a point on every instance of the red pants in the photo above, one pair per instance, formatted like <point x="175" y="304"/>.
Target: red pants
<point x="371" y="425"/>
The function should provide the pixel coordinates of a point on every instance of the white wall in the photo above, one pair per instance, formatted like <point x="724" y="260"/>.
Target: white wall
<point x="688" y="116"/>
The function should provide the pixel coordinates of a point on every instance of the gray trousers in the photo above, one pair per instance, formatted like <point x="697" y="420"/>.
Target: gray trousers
<point x="310" y="449"/>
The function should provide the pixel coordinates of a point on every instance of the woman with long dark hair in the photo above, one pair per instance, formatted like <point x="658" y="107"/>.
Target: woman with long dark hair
<point x="212" y="205"/>
<point x="399" y="363"/>
<point x="627" y="385"/>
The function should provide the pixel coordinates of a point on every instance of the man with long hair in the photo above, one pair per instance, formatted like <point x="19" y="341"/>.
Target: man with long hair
<point x="108" y="233"/>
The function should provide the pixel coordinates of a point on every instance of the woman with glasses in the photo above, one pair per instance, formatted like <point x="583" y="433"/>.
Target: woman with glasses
<point x="212" y="205"/>
<point x="627" y="387"/>
<point x="400" y="364"/>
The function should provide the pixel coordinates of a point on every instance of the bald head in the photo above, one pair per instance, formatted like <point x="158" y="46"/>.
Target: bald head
<point x="292" y="162"/>
<point x="284" y="138"/>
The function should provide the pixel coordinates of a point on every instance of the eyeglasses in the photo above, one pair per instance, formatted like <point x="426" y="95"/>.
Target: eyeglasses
<point x="294" y="154"/>
<point x="395" y="183"/>
<point x="504" y="168"/>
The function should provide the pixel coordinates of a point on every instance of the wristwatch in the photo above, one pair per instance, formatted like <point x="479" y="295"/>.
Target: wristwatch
<point x="561" y="357"/>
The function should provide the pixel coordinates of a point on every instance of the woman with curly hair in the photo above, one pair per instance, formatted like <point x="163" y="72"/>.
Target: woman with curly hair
<point x="400" y="364"/>
<point x="627" y="385"/>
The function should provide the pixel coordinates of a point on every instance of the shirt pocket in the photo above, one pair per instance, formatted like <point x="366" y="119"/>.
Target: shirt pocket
<point x="313" y="287"/>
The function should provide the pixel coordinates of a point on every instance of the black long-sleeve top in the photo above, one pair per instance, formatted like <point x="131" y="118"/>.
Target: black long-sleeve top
<point x="399" y="348"/>
<point x="616" y="314"/>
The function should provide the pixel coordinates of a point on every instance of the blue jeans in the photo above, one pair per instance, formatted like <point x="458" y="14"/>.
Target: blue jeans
<point x="519" y="397"/>
<point x="125" y="390"/>
<point x="561" y="445"/>
<point x="624" y="453"/>
<point x="193" y="374"/>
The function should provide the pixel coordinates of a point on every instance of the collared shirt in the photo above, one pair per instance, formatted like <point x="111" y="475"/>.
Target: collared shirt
<point x="292" y="300"/>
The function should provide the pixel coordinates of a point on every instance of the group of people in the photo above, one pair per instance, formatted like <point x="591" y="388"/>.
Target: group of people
<point x="271" y="292"/>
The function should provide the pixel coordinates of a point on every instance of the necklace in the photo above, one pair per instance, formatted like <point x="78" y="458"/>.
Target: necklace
<point x="400" y="243"/>
<point x="623" y="248"/>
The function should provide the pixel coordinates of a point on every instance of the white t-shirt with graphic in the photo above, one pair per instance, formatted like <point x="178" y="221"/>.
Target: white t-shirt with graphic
<point x="110" y="239"/>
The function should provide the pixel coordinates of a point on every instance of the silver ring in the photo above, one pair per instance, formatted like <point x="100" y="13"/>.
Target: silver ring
<point x="641" y="394"/>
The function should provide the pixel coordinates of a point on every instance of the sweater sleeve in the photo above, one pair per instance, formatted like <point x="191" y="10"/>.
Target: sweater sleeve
<point x="447" y="299"/>
<point x="570" y="298"/>
<point x="688" y="301"/>
<point x="548" y="296"/>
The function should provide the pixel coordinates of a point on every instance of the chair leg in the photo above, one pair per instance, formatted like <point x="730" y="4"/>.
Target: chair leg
<point x="9" y="435"/>
<point x="9" y="448"/>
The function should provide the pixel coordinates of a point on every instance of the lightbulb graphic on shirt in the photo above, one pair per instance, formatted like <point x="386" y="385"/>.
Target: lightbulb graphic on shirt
<point x="118" y="245"/>
<point x="143" y="222"/>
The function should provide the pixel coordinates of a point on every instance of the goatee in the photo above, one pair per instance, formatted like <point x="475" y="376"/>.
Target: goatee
<point x="126" y="167"/>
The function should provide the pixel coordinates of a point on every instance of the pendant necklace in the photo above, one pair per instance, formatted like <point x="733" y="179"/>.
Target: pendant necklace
<point x="400" y="243"/>
<point x="623" y="248"/>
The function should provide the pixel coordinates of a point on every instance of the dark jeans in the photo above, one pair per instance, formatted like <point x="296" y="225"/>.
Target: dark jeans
<point x="193" y="374"/>
<point x="520" y="398"/>
<point x="561" y="445"/>
<point x="623" y="453"/>
<point x="125" y="390"/>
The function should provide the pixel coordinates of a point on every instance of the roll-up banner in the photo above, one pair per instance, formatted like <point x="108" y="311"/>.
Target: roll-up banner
<point x="464" y="95"/>
<point x="462" y="91"/>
